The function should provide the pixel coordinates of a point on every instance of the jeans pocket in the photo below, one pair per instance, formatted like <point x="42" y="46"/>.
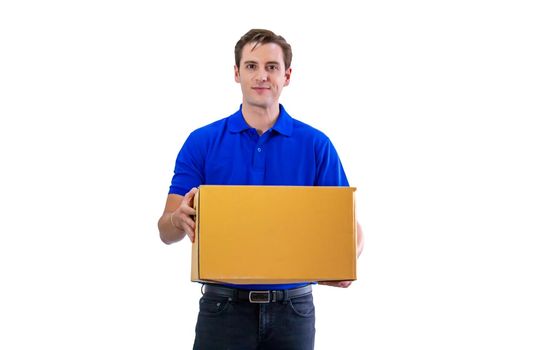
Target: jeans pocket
<point x="213" y="305"/>
<point x="303" y="306"/>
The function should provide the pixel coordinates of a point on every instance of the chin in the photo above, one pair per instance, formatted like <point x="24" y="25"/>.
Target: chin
<point x="261" y="104"/>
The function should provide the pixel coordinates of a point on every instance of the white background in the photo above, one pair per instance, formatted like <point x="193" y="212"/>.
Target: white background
<point x="444" y="113"/>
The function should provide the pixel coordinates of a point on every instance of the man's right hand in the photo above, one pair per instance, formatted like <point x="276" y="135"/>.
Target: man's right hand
<point x="179" y="218"/>
<point x="184" y="217"/>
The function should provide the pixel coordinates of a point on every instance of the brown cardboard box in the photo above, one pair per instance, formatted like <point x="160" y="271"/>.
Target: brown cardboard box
<point x="274" y="234"/>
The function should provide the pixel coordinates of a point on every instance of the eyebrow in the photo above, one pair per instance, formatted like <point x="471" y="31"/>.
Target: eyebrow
<point x="254" y="62"/>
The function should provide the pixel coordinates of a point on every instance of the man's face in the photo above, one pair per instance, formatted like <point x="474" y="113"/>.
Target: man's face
<point x="262" y="74"/>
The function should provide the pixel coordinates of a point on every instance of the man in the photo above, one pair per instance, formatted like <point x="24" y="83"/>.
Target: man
<point x="260" y="144"/>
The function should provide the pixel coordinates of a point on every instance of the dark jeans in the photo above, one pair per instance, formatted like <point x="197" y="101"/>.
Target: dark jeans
<point x="230" y="325"/>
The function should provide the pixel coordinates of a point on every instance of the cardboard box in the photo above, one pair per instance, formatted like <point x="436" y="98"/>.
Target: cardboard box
<point x="274" y="234"/>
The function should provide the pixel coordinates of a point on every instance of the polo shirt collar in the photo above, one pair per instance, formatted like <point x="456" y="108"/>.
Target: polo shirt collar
<point x="237" y="122"/>
<point x="283" y="125"/>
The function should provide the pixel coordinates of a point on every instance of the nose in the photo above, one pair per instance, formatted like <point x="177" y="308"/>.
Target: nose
<point x="262" y="75"/>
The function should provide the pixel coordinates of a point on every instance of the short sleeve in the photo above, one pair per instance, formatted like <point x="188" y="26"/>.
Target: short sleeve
<point x="330" y="171"/>
<point x="189" y="167"/>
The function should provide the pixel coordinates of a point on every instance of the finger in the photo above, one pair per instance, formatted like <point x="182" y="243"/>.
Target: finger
<point x="188" y="211"/>
<point x="187" y="225"/>
<point x="342" y="284"/>
<point x="189" y="197"/>
<point x="191" y="223"/>
<point x="187" y="204"/>
<point x="192" y="192"/>
<point x="190" y="233"/>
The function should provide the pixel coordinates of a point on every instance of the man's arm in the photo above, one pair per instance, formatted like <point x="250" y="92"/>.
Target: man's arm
<point x="360" y="244"/>
<point x="177" y="219"/>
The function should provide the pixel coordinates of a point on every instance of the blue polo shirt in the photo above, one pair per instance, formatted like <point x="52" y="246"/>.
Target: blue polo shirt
<point x="230" y="152"/>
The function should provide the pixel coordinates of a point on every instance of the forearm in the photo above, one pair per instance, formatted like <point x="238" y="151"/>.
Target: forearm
<point x="360" y="242"/>
<point x="168" y="232"/>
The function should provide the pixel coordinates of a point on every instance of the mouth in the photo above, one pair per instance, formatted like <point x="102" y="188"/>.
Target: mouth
<point x="260" y="88"/>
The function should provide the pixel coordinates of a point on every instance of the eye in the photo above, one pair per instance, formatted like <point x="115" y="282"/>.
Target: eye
<point x="273" y="67"/>
<point x="250" y="66"/>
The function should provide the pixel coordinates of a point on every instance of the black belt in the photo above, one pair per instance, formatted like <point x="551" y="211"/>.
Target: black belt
<point x="257" y="296"/>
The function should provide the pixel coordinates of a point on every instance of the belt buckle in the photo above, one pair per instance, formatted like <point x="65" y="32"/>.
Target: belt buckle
<point x="259" y="296"/>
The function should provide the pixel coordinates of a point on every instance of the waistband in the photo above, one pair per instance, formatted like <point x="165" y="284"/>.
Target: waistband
<point x="256" y="296"/>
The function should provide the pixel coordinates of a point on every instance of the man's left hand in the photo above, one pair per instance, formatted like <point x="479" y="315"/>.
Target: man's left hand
<point x="341" y="284"/>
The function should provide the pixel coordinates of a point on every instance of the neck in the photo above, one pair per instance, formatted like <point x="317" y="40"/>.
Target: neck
<point x="260" y="118"/>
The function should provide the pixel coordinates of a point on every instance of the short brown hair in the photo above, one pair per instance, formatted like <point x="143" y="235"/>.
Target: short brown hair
<point x="260" y="37"/>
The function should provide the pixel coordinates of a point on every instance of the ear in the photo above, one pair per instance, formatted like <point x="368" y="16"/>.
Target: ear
<point x="287" y="76"/>
<point x="237" y="74"/>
